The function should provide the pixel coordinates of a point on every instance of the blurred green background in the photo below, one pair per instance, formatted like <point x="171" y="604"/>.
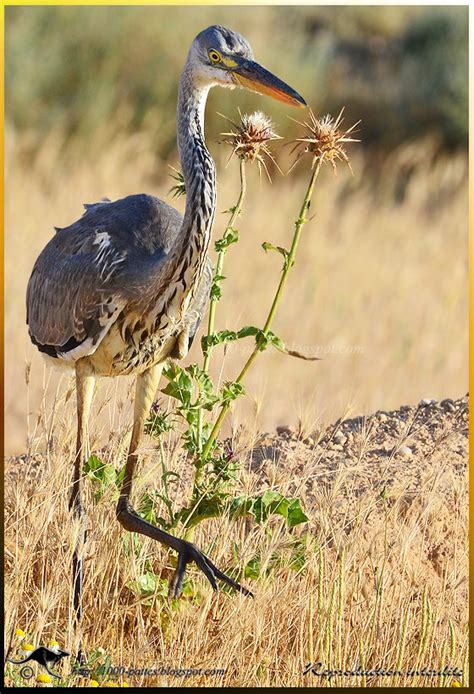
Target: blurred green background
<point x="402" y="70"/>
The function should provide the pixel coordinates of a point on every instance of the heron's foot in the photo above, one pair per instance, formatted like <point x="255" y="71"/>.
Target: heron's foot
<point x="190" y="553"/>
<point x="187" y="551"/>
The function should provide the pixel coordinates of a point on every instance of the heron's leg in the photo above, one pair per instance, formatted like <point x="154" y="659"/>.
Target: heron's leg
<point x="85" y="390"/>
<point x="147" y="384"/>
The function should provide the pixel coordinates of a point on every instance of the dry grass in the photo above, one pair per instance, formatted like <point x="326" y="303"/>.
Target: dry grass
<point x="379" y="290"/>
<point x="383" y="583"/>
<point x="386" y="277"/>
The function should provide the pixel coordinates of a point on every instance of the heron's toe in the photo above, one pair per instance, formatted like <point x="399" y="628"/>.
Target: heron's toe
<point x="191" y="553"/>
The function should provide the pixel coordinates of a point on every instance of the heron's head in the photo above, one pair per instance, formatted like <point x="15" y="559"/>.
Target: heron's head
<point x="219" y="56"/>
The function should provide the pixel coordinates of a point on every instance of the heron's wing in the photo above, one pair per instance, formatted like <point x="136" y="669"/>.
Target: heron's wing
<point x="88" y="271"/>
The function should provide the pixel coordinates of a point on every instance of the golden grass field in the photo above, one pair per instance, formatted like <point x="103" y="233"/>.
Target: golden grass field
<point x="378" y="578"/>
<point x="379" y="290"/>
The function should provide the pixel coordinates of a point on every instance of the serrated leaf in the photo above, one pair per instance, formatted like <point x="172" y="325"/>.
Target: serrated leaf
<point x="180" y="385"/>
<point x="231" y="390"/>
<point x="157" y="424"/>
<point x="275" y="341"/>
<point x="270" y="502"/>
<point x="231" y="236"/>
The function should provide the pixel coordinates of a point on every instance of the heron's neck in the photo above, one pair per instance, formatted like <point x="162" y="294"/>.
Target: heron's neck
<point x="199" y="175"/>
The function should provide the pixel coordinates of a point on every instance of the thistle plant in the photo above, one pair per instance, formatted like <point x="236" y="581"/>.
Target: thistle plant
<point x="249" y="143"/>
<point x="215" y="466"/>
<point x="324" y="141"/>
<point x="197" y="398"/>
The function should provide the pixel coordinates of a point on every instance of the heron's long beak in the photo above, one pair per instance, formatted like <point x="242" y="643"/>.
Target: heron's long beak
<point x="253" y="76"/>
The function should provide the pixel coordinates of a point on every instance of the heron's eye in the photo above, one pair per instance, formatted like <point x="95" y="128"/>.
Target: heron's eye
<point x="215" y="56"/>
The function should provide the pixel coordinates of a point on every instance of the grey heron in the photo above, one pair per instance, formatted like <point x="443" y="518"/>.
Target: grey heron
<point x="124" y="288"/>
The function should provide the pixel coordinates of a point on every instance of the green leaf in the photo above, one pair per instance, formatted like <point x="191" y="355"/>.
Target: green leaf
<point x="216" y="292"/>
<point x="235" y="553"/>
<point x="135" y="542"/>
<point x="275" y="341"/>
<point x="119" y="477"/>
<point x="92" y="464"/>
<point x="248" y="331"/>
<point x="264" y="339"/>
<point x="253" y="567"/>
<point x="301" y="547"/>
<point x="231" y="210"/>
<point x="147" y="584"/>
<point x="225" y="336"/>
<point x="279" y="249"/>
<point x="270" y="502"/>
<point x="205" y="507"/>
<point x="158" y="423"/>
<point x="230" y="236"/>
<point x="295" y="514"/>
<point x="203" y="379"/>
<point x="231" y="391"/>
<point x="298" y="561"/>
<point x="241" y="506"/>
<point x="146" y="508"/>
<point x="103" y="475"/>
<point x="180" y="385"/>
<point x="276" y="503"/>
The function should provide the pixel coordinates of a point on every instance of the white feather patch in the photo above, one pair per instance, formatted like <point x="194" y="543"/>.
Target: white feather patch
<point x="89" y="346"/>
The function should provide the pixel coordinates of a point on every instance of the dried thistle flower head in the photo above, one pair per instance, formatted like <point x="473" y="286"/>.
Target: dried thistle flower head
<point x="324" y="140"/>
<point x="250" y="139"/>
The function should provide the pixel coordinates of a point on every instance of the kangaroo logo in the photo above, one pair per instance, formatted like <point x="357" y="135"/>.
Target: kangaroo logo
<point x="45" y="657"/>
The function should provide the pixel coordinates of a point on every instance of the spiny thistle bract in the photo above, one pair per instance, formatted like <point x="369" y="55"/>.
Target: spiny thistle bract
<point x="249" y="141"/>
<point x="323" y="140"/>
<point x="179" y="188"/>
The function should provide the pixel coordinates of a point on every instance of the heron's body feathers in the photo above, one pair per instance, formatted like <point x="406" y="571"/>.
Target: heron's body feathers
<point x="94" y="287"/>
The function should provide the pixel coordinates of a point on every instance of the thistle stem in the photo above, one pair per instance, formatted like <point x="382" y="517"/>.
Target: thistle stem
<point x="299" y="224"/>
<point x="235" y="212"/>
<point x="220" y="259"/>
